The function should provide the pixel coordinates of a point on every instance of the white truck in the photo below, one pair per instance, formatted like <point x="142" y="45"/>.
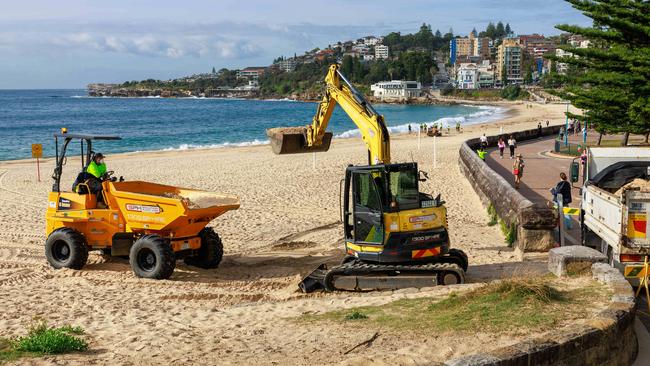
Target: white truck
<point x="614" y="215"/>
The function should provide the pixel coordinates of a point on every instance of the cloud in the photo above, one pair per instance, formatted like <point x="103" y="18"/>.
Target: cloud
<point x="143" y="41"/>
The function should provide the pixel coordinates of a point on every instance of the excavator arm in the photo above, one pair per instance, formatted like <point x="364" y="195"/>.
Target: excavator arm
<point x="315" y="138"/>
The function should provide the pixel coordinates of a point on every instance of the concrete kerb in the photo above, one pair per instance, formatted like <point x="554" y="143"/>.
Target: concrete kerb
<point x="606" y="339"/>
<point x="534" y="223"/>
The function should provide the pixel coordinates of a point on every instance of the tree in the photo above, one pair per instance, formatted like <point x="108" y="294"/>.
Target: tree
<point x="508" y="30"/>
<point x="214" y="71"/>
<point x="491" y="31"/>
<point x="504" y="75"/>
<point x="500" y="30"/>
<point x="611" y="84"/>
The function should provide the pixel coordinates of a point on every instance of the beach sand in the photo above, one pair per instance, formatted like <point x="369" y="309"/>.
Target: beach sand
<point x="241" y="312"/>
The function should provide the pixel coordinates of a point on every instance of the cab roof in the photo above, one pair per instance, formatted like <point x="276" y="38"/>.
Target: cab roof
<point x="82" y="136"/>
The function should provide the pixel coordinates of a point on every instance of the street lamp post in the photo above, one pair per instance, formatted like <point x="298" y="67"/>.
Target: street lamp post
<point x="566" y="126"/>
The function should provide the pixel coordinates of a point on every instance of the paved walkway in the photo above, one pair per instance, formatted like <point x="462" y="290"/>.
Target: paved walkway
<point x="542" y="172"/>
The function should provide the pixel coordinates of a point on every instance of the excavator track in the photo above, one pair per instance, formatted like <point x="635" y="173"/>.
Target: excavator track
<point x="361" y="276"/>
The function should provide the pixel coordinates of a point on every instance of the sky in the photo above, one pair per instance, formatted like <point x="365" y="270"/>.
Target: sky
<point x="70" y="43"/>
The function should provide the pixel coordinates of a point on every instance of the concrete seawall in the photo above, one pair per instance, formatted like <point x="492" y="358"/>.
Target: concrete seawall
<point x="534" y="223"/>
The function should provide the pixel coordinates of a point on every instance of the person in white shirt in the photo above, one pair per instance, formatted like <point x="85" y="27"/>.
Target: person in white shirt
<point x="512" y="144"/>
<point x="484" y="141"/>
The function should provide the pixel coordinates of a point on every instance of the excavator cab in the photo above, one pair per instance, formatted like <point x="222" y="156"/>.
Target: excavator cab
<point x="387" y="219"/>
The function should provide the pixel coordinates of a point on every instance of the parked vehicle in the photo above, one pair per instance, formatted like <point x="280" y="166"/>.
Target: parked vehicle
<point x="616" y="206"/>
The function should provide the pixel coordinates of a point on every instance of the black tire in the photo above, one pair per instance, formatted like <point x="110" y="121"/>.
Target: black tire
<point x="210" y="253"/>
<point x="151" y="256"/>
<point x="66" y="248"/>
<point x="463" y="261"/>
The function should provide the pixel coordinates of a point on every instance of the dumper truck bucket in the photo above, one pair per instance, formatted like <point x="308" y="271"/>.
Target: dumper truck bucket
<point x="292" y="140"/>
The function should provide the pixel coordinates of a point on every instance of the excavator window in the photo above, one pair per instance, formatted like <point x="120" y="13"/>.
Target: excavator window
<point x="368" y="219"/>
<point x="403" y="185"/>
<point x="368" y="192"/>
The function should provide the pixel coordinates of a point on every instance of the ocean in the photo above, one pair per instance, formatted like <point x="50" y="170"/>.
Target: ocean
<point x="149" y="124"/>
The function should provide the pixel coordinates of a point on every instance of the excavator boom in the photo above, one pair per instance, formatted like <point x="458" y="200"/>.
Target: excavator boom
<point x="315" y="138"/>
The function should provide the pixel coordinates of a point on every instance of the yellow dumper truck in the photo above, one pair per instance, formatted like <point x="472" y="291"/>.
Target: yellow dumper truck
<point x="152" y="224"/>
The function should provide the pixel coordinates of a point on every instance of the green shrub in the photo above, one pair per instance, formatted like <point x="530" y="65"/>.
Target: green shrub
<point x="50" y="340"/>
<point x="492" y="213"/>
<point x="509" y="232"/>
<point x="356" y="315"/>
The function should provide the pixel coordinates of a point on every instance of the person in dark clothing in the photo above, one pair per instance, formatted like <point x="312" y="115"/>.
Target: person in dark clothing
<point x="563" y="187"/>
<point x="539" y="129"/>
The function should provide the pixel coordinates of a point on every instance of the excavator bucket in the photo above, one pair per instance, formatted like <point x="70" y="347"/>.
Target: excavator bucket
<point x="291" y="140"/>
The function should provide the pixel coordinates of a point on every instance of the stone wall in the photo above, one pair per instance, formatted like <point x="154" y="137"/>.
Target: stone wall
<point x="606" y="339"/>
<point x="535" y="223"/>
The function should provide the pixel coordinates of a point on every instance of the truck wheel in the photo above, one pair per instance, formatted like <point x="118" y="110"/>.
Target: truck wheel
<point x="66" y="248"/>
<point x="210" y="253"/>
<point x="152" y="257"/>
<point x="463" y="261"/>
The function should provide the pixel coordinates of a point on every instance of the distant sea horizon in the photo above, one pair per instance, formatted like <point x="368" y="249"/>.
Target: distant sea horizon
<point x="152" y="124"/>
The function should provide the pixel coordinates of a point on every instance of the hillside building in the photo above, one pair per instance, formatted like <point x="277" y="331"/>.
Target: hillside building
<point x="381" y="52"/>
<point x="396" y="89"/>
<point x="509" y="61"/>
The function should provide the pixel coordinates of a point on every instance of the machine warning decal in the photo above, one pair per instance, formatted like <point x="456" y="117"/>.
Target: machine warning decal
<point x="143" y="208"/>
<point x="64" y="203"/>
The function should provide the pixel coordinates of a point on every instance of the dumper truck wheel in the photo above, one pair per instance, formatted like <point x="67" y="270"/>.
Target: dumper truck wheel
<point x="66" y="248"/>
<point x="210" y="253"/>
<point x="151" y="256"/>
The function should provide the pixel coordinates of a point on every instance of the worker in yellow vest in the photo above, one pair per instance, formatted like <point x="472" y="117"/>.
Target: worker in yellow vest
<point x="97" y="169"/>
<point x="481" y="153"/>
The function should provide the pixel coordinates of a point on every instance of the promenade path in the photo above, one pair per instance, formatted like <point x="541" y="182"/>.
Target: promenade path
<point x="542" y="172"/>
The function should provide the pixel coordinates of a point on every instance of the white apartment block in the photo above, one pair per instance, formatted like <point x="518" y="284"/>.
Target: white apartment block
<point x="381" y="52"/>
<point x="396" y="89"/>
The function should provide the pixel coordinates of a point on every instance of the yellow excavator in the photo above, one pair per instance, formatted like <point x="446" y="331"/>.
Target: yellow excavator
<point x="395" y="235"/>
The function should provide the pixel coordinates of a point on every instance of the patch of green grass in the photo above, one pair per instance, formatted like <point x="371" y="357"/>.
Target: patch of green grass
<point x="41" y="340"/>
<point x="356" y="315"/>
<point x="492" y="213"/>
<point x="515" y="304"/>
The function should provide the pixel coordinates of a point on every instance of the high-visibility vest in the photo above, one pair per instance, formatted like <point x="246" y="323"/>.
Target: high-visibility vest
<point x="96" y="170"/>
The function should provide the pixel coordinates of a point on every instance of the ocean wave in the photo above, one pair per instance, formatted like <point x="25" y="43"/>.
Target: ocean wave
<point x="485" y="114"/>
<point x="183" y="147"/>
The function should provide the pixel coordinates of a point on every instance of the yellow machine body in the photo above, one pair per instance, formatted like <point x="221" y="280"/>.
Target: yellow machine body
<point x="140" y="208"/>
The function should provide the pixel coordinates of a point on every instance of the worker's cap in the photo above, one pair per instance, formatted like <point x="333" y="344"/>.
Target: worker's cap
<point x="99" y="156"/>
<point x="519" y="156"/>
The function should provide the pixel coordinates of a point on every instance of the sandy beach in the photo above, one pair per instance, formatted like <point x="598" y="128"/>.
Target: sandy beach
<point x="241" y="313"/>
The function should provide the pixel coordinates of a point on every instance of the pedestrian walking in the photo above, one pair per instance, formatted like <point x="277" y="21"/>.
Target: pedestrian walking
<point x="512" y="144"/>
<point x="539" y="130"/>
<point x="409" y="128"/>
<point x="484" y="141"/>
<point x="561" y="133"/>
<point x="547" y="122"/>
<point x="518" y="169"/>
<point x="502" y="146"/>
